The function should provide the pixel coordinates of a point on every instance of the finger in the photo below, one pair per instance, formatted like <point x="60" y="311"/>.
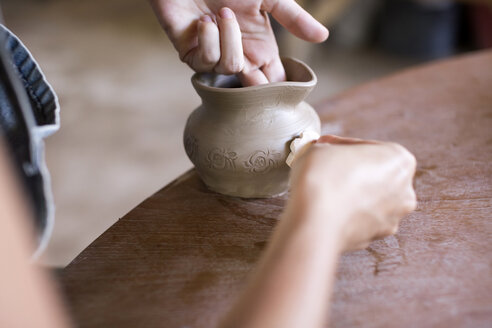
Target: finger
<point x="231" y="45"/>
<point x="406" y="204"/>
<point x="410" y="203"/>
<point x="295" y="19"/>
<point x="253" y="77"/>
<point x="274" y="71"/>
<point x="336" y="140"/>
<point x="208" y="53"/>
<point x="407" y="158"/>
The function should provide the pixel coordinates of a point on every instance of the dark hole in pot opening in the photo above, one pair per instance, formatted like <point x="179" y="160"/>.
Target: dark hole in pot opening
<point x="225" y="81"/>
<point x="295" y="71"/>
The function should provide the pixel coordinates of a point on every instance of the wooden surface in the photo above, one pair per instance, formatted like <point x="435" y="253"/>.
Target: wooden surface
<point x="179" y="258"/>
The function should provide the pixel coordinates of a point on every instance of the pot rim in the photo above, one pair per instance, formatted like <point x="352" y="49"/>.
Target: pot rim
<point x="197" y="83"/>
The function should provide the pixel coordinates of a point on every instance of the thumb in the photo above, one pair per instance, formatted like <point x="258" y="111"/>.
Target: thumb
<point x="296" y="20"/>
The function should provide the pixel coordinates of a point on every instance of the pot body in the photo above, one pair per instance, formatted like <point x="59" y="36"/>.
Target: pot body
<point x="239" y="142"/>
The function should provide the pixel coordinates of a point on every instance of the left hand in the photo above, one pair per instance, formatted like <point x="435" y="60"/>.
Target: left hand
<point x="234" y="37"/>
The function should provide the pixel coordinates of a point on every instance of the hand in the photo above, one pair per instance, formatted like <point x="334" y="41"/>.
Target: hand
<point x="234" y="37"/>
<point x="363" y="187"/>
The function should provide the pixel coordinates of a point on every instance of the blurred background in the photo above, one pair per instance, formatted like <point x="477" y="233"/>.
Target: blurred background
<point x="125" y="95"/>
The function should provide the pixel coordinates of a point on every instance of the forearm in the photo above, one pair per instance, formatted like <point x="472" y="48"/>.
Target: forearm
<point x="27" y="298"/>
<point x="292" y="284"/>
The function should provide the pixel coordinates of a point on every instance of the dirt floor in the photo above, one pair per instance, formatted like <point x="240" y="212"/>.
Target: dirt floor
<point x="125" y="97"/>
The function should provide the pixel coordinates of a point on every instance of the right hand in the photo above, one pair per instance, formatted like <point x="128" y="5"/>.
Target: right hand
<point x="363" y="188"/>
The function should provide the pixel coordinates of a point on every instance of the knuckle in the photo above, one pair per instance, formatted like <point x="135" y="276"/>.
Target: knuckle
<point x="406" y="206"/>
<point x="232" y="66"/>
<point x="410" y="160"/>
<point x="407" y="159"/>
<point x="399" y="149"/>
<point x="411" y="203"/>
<point x="186" y="57"/>
<point x="209" y="58"/>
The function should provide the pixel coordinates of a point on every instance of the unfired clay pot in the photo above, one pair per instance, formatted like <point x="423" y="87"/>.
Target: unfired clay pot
<point x="238" y="139"/>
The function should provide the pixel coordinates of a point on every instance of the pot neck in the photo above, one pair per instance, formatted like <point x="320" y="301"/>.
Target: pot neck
<point x="225" y="92"/>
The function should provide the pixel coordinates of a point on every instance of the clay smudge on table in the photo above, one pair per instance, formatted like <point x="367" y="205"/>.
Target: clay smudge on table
<point x="199" y="282"/>
<point x="387" y="257"/>
<point x="265" y="215"/>
<point x="424" y="170"/>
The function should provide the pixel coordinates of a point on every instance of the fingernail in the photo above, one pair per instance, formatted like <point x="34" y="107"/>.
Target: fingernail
<point x="226" y="13"/>
<point x="206" y="19"/>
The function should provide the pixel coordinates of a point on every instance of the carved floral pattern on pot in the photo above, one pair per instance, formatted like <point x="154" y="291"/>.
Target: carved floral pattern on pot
<point x="221" y="159"/>
<point x="262" y="162"/>
<point x="191" y="147"/>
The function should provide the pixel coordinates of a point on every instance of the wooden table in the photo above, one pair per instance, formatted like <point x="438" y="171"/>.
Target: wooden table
<point x="179" y="258"/>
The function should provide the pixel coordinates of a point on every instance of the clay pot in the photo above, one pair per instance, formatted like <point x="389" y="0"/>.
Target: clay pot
<point x="238" y="139"/>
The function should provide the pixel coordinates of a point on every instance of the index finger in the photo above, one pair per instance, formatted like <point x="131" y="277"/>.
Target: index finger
<point x="296" y="20"/>
<point x="336" y="140"/>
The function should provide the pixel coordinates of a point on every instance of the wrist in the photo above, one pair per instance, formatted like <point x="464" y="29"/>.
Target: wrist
<point x="326" y="222"/>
